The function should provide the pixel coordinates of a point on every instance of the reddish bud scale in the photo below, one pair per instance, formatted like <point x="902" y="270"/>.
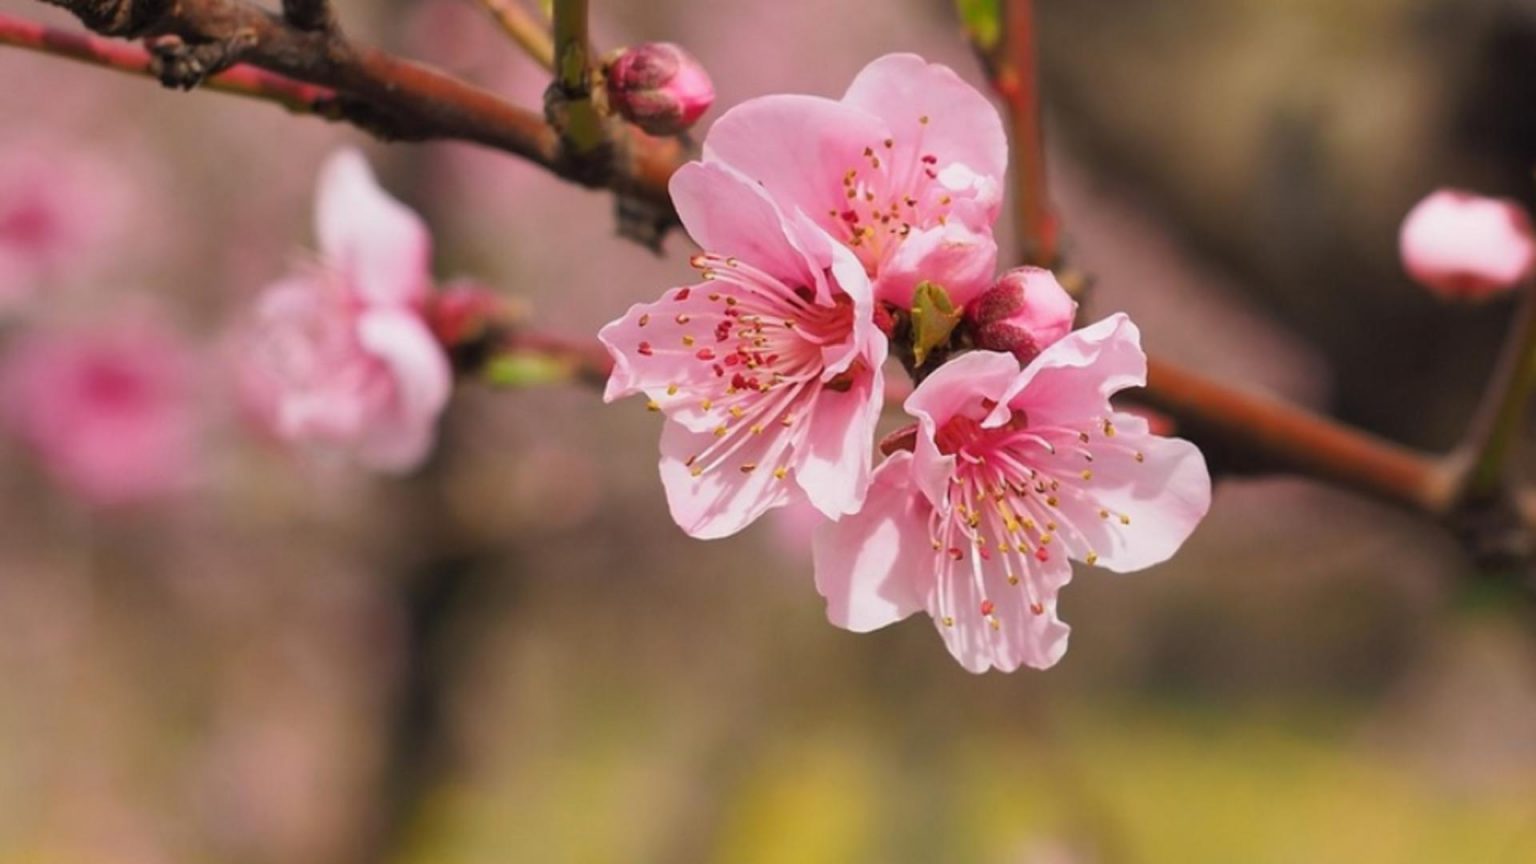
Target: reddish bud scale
<point x="659" y="87"/>
<point x="1022" y="314"/>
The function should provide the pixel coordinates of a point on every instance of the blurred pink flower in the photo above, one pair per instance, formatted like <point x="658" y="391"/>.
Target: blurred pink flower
<point x="659" y="87"/>
<point x="1013" y="472"/>
<point x="1024" y="313"/>
<point x="768" y="370"/>
<point x="906" y="170"/>
<point x="339" y="355"/>
<point x="1464" y="246"/>
<point x="108" y="412"/>
<point x="58" y="206"/>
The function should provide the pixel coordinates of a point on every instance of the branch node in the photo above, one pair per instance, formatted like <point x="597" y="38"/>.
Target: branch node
<point x="183" y="65"/>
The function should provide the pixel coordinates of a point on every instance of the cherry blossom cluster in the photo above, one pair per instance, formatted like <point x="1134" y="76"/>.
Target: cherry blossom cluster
<point x="837" y="233"/>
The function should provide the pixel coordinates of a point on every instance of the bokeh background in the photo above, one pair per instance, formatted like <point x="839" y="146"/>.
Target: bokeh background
<point x="514" y="656"/>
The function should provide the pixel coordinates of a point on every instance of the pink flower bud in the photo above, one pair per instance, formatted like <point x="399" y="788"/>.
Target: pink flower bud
<point x="1467" y="247"/>
<point x="463" y="311"/>
<point x="1022" y="314"/>
<point x="659" y="87"/>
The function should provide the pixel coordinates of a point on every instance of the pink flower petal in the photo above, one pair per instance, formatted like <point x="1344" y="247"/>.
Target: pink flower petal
<point x="1023" y="635"/>
<point x="717" y="503"/>
<point x="874" y="567"/>
<point x="833" y="464"/>
<point x="1073" y="379"/>
<point x="952" y="255"/>
<point x="724" y="213"/>
<point x="797" y="147"/>
<point x="962" y="126"/>
<point x="1141" y="498"/>
<point x="377" y="243"/>
<point x="422" y="382"/>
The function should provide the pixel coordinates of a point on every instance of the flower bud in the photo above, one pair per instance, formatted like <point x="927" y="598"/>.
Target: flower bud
<point x="1022" y="314"/>
<point x="659" y="87"/>
<point x="468" y="319"/>
<point x="1466" y="247"/>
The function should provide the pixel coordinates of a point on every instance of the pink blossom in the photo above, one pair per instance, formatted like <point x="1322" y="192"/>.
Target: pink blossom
<point x="659" y="87"/>
<point x="108" y="412"/>
<point x="58" y="207"/>
<point x="339" y="354"/>
<point x="906" y="170"/>
<point x="1464" y="246"/>
<point x="1014" y="471"/>
<point x="1025" y="312"/>
<point x="768" y="370"/>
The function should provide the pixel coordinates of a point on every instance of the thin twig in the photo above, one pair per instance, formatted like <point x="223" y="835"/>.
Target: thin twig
<point x="240" y="80"/>
<point x="389" y="96"/>
<point x="581" y="127"/>
<point x="1015" y="77"/>
<point x="1484" y="453"/>
<point x="526" y="29"/>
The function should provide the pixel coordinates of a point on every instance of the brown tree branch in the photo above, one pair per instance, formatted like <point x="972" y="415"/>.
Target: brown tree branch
<point x="387" y="95"/>
<point x="1251" y="433"/>
<point x="525" y="29"/>
<point x="131" y="59"/>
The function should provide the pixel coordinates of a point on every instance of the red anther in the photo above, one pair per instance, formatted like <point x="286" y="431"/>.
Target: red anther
<point x="1037" y="608"/>
<point x="644" y="348"/>
<point x="955" y="553"/>
<point x="682" y="293"/>
<point x="705" y="354"/>
<point x="987" y="607"/>
<point x="1042" y="554"/>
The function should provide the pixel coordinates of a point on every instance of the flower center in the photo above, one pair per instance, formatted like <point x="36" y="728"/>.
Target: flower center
<point x="762" y="359"/>
<point x="883" y="200"/>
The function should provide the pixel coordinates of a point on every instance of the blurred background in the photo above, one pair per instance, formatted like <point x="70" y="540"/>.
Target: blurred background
<point x="230" y="653"/>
